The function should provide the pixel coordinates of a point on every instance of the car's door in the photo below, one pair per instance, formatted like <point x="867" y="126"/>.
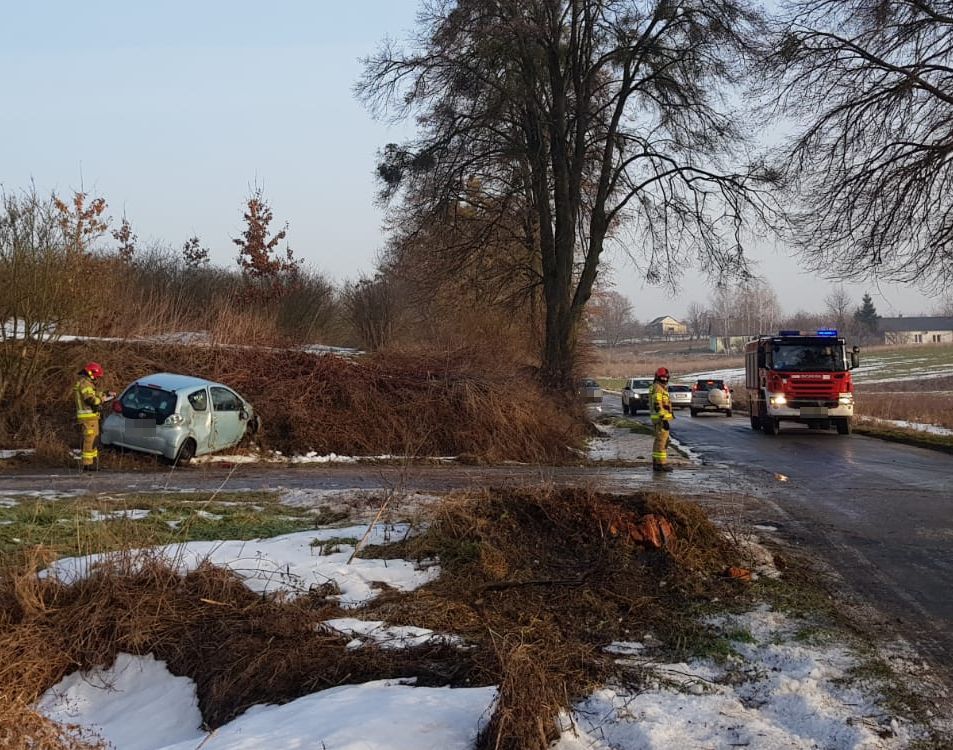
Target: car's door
<point x="201" y="420"/>
<point x="228" y="422"/>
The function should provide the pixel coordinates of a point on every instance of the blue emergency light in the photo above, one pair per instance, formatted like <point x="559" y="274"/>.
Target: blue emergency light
<point x="830" y="332"/>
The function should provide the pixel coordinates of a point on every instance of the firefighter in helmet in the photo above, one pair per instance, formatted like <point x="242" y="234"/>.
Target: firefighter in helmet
<point x="89" y="401"/>
<point x="660" y="407"/>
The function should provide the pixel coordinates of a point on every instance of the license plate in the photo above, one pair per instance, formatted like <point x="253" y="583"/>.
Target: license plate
<point x="814" y="411"/>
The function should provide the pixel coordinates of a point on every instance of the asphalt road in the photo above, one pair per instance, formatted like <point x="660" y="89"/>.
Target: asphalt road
<point x="881" y="514"/>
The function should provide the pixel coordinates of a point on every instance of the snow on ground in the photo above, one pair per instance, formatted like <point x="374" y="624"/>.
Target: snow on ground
<point x="290" y="563"/>
<point x="918" y="426"/>
<point x="138" y="705"/>
<point x="133" y="514"/>
<point x="135" y="705"/>
<point x="14" y="452"/>
<point x="386" y="636"/>
<point x="777" y="693"/>
<point x="311" y="457"/>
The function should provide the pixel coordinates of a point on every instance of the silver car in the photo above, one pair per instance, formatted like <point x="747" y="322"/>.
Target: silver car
<point x="680" y="395"/>
<point x="178" y="417"/>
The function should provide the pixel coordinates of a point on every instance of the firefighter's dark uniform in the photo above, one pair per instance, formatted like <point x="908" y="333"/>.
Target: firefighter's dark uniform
<point x="660" y="407"/>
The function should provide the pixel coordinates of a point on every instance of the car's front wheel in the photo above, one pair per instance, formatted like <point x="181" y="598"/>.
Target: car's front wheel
<point x="727" y="412"/>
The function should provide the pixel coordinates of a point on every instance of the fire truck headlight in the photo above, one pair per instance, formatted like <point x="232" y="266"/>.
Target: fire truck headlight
<point x="846" y="398"/>
<point x="778" y="399"/>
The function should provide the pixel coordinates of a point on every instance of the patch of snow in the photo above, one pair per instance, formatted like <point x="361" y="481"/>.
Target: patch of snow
<point x="932" y="429"/>
<point x="134" y="514"/>
<point x="14" y="452"/>
<point x="379" y="715"/>
<point x="135" y="705"/>
<point x="205" y="515"/>
<point x="287" y="563"/>
<point x="387" y="636"/>
<point x="311" y="457"/>
<point x="777" y="694"/>
<point x="8" y="502"/>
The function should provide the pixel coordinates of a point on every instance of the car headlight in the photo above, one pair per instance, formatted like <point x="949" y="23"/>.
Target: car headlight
<point x="778" y="399"/>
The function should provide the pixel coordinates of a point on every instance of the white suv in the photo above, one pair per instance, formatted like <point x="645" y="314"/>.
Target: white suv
<point x="635" y="395"/>
<point x="710" y="395"/>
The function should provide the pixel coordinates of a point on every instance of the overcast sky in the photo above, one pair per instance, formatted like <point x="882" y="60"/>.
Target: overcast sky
<point x="172" y="110"/>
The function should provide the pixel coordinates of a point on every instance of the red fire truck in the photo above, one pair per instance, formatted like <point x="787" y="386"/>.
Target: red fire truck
<point x="800" y="376"/>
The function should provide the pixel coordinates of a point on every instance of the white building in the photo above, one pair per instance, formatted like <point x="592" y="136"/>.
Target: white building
<point x="916" y="330"/>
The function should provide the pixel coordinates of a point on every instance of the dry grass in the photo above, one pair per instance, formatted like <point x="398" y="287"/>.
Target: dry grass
<point x="536" y="581"/>
<point x="927" y="408"/>
<point x="542" y="583"/>
<point x="400" y="403"/>
<point x="681" y="360"/>
<point x="22" y="728"/>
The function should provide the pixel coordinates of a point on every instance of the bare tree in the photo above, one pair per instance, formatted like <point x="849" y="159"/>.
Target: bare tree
<point x="871" y="169"/>
<point x="371" y="307"/>
<point x="838" y="305"/>
<point x="756" y="308"/>
<point x="44" y="271"/>
<point x="584" y="114"/>
<point x="698" y="318"/>
<point x="610" y="318"/>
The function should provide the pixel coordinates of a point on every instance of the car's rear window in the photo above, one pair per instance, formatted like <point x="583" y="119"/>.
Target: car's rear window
<point x="148" y="402"/>
<point x="707" y="385"/>
<point x="678" y="389"/>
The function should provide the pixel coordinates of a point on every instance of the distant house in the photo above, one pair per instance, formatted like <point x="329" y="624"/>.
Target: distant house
<point x="666" y="326"/>
<point x="916" y="330"/>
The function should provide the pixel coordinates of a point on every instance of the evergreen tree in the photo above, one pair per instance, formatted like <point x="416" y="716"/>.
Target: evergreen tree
<point x="866" y="315"/>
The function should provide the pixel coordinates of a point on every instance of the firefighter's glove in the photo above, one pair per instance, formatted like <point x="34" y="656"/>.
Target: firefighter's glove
<point x="664" y="424"/>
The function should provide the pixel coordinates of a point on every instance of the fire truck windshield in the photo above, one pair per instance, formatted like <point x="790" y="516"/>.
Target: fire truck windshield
<point x="808" y="357"/>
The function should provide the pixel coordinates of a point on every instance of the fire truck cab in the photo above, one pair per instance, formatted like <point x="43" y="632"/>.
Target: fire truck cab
<point x="800" y="376"/>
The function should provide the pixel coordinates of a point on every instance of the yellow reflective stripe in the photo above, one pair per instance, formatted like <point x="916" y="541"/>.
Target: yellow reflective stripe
<point x="87" y="415"/>
<point x="90" y="454"/>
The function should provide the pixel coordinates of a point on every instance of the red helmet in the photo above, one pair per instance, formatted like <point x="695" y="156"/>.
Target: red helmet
<point x="661" y="373"/>
<point x="93" y="369"/>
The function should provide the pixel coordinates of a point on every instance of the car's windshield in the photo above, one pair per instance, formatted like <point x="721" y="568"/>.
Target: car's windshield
<point x="143" y="401"/>
<point x="820" y="357"/>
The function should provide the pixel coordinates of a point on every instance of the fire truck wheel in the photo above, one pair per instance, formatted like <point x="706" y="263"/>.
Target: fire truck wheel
<point x="770" y="425"/>
<point x="755" y="423"/>
<point x="843" y="425"/>
<point x="727" y="412"/>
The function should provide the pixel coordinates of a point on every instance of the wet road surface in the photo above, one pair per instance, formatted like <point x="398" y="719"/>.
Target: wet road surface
<point x="881" y="514"/>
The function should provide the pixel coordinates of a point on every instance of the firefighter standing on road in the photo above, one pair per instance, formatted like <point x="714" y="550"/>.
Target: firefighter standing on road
<point x="89" y="401"/>
<point x="660" y="407"/>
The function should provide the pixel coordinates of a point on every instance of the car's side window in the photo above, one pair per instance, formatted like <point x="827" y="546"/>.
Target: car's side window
<point x="224" y="400"/>
<point x="199" y="400"/>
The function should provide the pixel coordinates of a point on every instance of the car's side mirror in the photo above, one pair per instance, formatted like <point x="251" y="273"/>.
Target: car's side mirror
<point x="855" y="358"/>
<point x="242" y="414"/>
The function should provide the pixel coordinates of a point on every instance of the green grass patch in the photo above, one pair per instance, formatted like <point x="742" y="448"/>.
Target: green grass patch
<point x="67" y="526"/>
